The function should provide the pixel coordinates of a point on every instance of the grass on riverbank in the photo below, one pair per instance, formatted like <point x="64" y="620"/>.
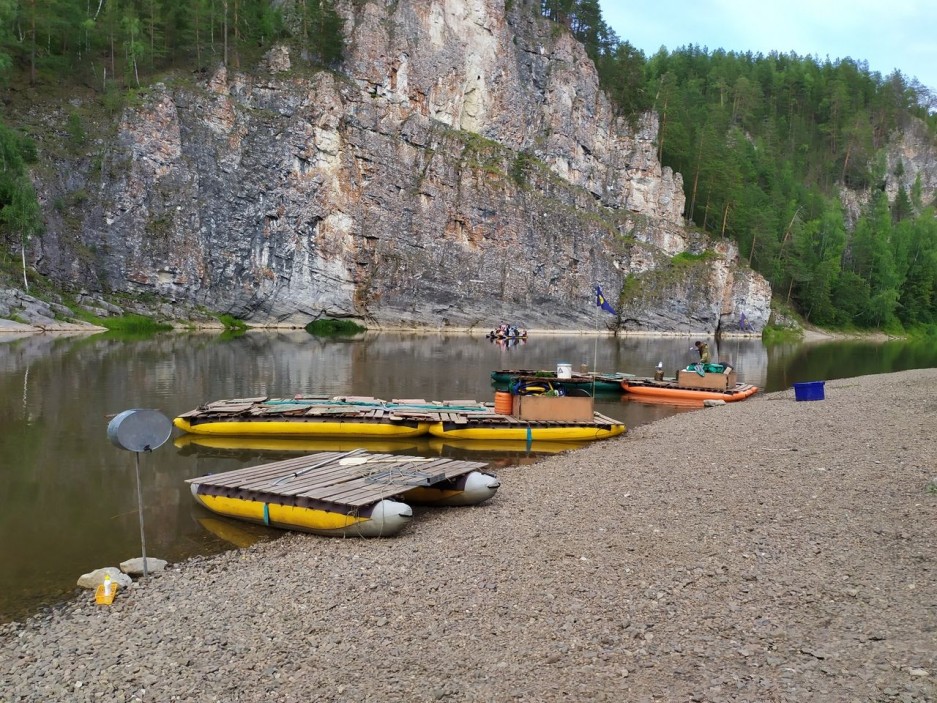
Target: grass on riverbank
<point x="232" y="324"/>
<point x="128" y="324"/>
<point x="778" y="335"/>
<point x="333" y="328"/>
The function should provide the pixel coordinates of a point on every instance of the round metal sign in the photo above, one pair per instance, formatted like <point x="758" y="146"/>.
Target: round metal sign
<point x="139" y="430"/>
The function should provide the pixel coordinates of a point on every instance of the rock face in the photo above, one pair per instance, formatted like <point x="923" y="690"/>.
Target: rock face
<point x="912" y="154"/>
<point x="465" y="168"/>
<point x="910" y="159"/>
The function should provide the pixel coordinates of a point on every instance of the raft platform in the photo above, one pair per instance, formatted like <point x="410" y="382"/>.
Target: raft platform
<point x="670" y="390"/>
<point x="365" y="417"/>
<point x="495" y="426"/>
<point x="351" y="493"/>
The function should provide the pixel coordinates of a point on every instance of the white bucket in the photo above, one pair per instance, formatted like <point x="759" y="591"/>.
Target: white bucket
<point x="564" y="370"/>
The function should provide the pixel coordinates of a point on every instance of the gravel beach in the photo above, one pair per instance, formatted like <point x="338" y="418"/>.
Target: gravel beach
<point x="768" y="550"/>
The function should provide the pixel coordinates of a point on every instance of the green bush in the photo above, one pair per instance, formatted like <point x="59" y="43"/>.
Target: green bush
<point x="125" y="326"/>
<point x="333" y="328"/>
<point x="777" y="335"/>
<point x="133" y="324"/>
<point x="231" y="323"/>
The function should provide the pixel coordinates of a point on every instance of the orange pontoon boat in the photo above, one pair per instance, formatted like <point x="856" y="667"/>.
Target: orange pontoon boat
<point x="666" y="390"/>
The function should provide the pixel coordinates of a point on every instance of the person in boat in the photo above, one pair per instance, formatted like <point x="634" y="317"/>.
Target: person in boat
<point x="704" y="357"/>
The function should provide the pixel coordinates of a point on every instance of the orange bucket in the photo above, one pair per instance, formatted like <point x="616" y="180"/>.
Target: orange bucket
<point x="504" y="403"/>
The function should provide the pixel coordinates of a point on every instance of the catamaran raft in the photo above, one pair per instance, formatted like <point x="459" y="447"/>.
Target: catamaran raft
<point x="346" y="494"/>
<point x="713" y="382"/>
<point x="527" y="418"/>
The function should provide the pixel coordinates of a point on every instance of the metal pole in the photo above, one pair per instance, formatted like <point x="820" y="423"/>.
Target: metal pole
<point x="595" y="340"/>
<point x="140" y="510"/>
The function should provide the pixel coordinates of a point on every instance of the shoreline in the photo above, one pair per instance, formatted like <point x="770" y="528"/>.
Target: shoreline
<point x="809" y="334"/>
<point x="765" y="550"/>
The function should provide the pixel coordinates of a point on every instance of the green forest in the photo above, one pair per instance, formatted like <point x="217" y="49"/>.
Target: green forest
<point x="765" y="144"/>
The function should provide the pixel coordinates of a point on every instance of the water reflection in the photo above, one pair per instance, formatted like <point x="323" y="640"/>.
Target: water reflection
<point x="69" y="499"/>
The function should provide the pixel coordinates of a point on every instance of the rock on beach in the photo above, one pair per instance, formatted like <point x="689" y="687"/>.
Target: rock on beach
<point x="768" y="550"/>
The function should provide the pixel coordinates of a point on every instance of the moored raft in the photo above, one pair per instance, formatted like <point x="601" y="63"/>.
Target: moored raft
<point x="318" y="416"/>
<point x="359" y="417"/>
<point x="672" y="390"/>
<point x="509" y="427"/>
<point x="342" y="493"/>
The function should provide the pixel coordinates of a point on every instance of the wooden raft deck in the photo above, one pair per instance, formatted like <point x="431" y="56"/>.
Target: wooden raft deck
<point x="350" y="479"/>
<point x="358" y="408"/>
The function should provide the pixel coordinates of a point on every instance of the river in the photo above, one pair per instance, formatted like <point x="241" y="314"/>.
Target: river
<point x="69" y="497"/>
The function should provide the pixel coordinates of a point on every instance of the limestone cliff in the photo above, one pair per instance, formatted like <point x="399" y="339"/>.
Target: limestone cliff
<point x="463" y="168"/>
<point x="910" y="159"/>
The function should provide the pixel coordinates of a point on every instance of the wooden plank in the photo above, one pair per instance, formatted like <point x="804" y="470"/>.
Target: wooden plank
<point x="360" y="499"/>
<point x="396" y="416"/>
<point x="314" y="481"/>
<point x="375" y="464"/>
<point x="238" y="401"/>
<point x="254" y="473"/>
<point x="352" y="484"/>
<point x="288" y="485"/>
<point x="363" y="490"/>
<point x="281" y="409"/>
<point x="284" y="465"/>
<point x="329" y="475"/>
<point x="388" y="482"/>
<point x="257" y="475"/>
<point x="227" y="408"/>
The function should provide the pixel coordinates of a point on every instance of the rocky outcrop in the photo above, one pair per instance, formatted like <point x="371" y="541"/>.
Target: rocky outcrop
<point x="911" y="156"/>
<point x="464" y="168"/>
<point x="21" y="312"/>
<point x="707" y="292"/>
<point x="910" y="161"/>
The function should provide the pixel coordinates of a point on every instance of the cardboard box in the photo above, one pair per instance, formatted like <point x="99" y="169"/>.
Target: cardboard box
<point x="554" y="408"/>
<point x="709" y="382"/>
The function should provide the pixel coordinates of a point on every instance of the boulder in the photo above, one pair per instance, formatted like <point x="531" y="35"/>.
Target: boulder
<point x="134" y="566"/>
<point x="96" y="578"/>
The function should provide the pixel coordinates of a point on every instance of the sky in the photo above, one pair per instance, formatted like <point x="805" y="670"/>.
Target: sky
<point x="888" y="34"/>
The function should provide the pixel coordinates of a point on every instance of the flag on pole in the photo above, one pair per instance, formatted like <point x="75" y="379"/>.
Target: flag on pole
<point x="601" y="302"/>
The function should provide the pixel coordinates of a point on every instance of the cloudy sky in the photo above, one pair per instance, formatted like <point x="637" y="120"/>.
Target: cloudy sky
<point x="889" y="34"/>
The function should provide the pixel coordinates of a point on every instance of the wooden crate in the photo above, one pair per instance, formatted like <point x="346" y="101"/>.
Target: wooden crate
<point x="554" y="408"/>
<point x="709" y="382"/>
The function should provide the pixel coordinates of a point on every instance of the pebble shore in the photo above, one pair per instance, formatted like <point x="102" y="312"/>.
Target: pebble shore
<point x="767" y="550"/>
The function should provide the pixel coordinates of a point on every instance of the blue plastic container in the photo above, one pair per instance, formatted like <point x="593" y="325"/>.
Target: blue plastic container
<point x="812" y="390"/>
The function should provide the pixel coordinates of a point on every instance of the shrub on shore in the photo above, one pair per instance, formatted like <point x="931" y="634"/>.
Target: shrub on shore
<point x="333" y="328"/>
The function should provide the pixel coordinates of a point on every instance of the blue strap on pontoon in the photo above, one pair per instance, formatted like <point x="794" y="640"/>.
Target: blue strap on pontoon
<point x="267" y="514"/>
